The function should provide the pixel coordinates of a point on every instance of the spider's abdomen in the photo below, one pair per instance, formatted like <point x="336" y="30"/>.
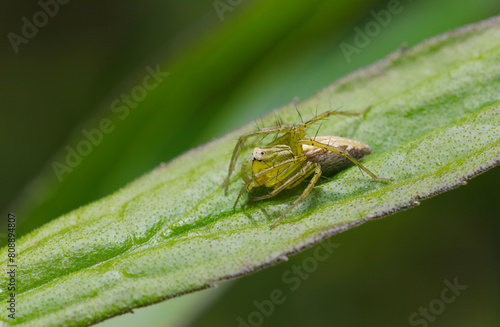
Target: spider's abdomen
<point x="332" y="162"/>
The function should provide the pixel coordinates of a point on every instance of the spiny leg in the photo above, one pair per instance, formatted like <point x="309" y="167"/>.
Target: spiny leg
<point x="245" y="168"/>
<point x="346" y="154"/>
<point x="297" y="132"/>
<point x="314" y="179"/>
<point x="285" y="139"/>
<point x="331" y="113"/>
<point x="249" y="184"/>
<point x="293" y="180"/>
<point x="239" y="147"/>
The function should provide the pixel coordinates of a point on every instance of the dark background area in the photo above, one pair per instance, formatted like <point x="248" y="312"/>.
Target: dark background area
<point x="223" y="73"/>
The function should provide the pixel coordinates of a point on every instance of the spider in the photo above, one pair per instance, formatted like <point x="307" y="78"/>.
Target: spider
<point x="291" y="158"/>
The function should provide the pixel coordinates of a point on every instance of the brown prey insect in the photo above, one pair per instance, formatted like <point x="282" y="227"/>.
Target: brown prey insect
<point x="292" y="157"/>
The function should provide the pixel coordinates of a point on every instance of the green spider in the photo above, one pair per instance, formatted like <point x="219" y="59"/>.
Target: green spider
<point x="292" y="157"/>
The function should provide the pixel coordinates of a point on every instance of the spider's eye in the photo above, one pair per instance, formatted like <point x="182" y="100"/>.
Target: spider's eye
<point x="262" y="153"/>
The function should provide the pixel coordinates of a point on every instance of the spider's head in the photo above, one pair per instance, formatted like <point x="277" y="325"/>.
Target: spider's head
<point x="259" y="154"/>
<point x="274" y="153"/>
<point x="267" y="157"/>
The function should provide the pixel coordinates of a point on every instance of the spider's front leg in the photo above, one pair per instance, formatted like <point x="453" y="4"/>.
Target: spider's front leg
<point x="272" y="171"/>
<point x="240" y="145"/>
<point x="345" y="154"/>
<point x="246" y="165"/>
<point x="307" y="171"/>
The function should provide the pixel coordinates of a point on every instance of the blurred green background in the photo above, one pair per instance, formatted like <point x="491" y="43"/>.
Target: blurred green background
<point x="225" y="69"/>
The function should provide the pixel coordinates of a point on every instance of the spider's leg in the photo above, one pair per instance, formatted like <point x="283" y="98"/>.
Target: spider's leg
<point x="245" y="168"/>
<point x="331" y="113"/>
<point x="298" y="131"/>
<point x="285" y="139"/>
<point x="240" y="146"/>
<point x="251" y="183"/>
<point x="314" y="168"/>
<point x="302" y="174"/>
<point x="365" y="111"/>
<point x="346" y="154"/>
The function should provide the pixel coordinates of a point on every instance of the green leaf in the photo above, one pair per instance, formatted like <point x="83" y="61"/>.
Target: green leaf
<point x="434" y="123"/>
